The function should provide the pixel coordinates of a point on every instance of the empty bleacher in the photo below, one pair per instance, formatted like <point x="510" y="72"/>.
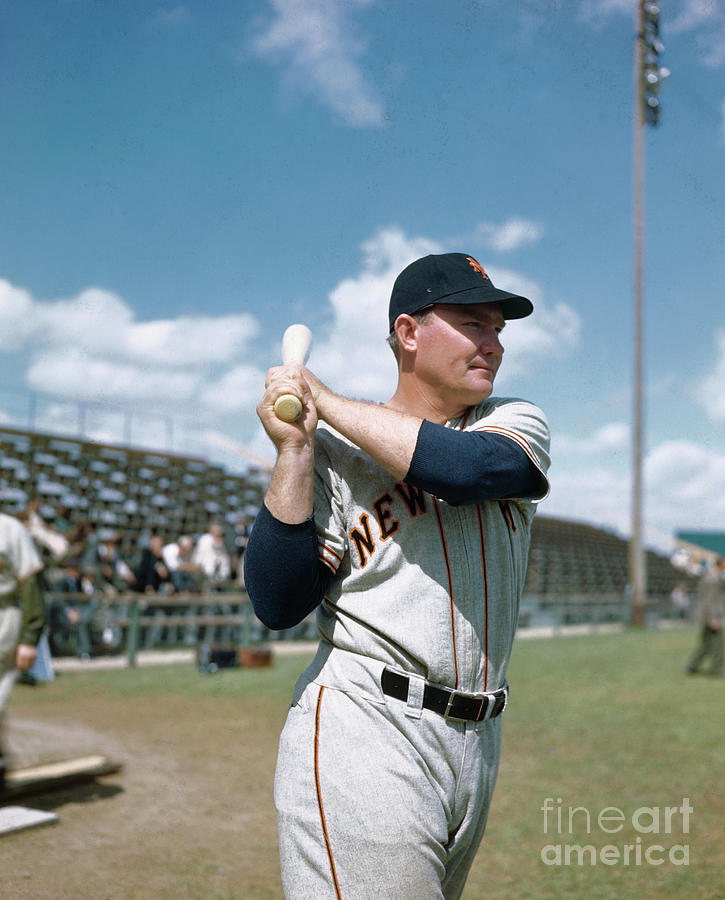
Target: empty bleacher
<point x="580" y="573"/>
<point x="132" y="491"/>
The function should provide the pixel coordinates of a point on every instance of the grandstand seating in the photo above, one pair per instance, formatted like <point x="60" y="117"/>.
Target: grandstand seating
<point x="575" y="558"/>
<point x="136" y="492"/>
<point x="589" y="567"/>
<point x="130" y="490"/>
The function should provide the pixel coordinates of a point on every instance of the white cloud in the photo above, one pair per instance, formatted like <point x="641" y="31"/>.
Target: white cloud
<point x="589" y="477"/>
<point x="237" y="390"/>
<point x="596" y="495"/>
<point x="693" y="14"/>
<point x="710" y="391"/>
<point x="591" y="482"/>
<point x="509" y="235"/>
<point x="315" y="39"/>
<point x="609" y="438"/>
<point x="597" y="10"/>
<point x="96" y="321"/>
<point x="706" y="18"/>
<point x="70" y="372"/>
<point x="102" y="323"/>
<point x="549" y="333"/>
<point x="355" y="358"/>
<point x="16" y="308"/>
<point x="686" y="481"/>
<point x="91" y="349"/>
<point x="191" y="340"/>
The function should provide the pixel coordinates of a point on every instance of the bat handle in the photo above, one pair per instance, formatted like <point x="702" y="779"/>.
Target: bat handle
<point x="296" y="343"/>
<point x="288" y="407"/>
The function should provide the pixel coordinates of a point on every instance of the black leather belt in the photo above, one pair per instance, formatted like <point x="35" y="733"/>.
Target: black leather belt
<point x="453" y="705"/>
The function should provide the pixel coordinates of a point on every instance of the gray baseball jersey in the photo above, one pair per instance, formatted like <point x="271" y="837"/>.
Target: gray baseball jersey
<point x="422" y="585"/>
<point x="18" y="560"/>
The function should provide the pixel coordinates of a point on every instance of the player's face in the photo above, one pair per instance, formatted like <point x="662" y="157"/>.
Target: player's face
<point x="459" y="352"/>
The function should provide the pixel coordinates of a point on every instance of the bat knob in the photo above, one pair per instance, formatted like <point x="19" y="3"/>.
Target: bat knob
<point x="288" y="408"/>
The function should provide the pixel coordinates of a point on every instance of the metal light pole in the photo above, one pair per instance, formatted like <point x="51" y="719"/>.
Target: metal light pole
<point x="637" y="567"/>
<point x="647" y="80"/>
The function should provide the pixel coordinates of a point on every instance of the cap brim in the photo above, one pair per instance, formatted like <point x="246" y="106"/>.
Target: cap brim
<point x="513" y="306"/>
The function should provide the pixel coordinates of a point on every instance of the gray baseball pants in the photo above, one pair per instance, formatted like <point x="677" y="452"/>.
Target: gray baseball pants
<point x="380" y="801"/>
<point x="11" y="620"/>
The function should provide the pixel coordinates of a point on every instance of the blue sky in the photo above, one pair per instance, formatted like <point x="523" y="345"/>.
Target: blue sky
<point x="179" y="182"/>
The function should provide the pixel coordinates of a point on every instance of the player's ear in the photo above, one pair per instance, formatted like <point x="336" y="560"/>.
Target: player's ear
<point x="406" y="330"/>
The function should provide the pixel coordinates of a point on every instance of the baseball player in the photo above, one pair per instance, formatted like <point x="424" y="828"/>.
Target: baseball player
<point x="711" y="616"/>
<point x="22" y="610"/>
<point x="406" y="524"/>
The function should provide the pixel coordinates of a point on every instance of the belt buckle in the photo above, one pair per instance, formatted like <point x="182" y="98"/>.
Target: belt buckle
<point x="481" y="711"/>
<point x="504" y="696"/>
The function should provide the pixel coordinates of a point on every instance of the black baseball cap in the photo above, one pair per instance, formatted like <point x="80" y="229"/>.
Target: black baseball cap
<point x="450" y="278"/>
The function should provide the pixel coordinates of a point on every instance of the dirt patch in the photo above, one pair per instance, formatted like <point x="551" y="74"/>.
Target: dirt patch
<point x="189" y="815"/>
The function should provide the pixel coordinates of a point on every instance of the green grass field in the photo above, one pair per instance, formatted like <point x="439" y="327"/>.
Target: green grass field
<point x="608" y="728"/>
<point x="598" y="722"/>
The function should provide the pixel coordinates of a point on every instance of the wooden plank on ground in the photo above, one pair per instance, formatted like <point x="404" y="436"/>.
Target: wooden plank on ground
<point x="18" y="818"/>
<point x="48" y="776"/>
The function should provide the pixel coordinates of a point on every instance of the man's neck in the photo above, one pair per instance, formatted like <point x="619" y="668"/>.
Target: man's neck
<point x="414" y="399"/>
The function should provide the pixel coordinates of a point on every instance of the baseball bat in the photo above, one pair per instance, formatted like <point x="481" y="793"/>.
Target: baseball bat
<point x="296" y="345"/>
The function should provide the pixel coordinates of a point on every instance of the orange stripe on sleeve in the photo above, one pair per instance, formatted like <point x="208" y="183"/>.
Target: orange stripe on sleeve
<point x="516" y="438"/>
<point x="329" y="557"/>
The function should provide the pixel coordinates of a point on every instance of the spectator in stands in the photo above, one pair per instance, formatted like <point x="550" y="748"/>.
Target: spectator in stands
<point x="184" y="576"/>
<point x="69" y="614"/>
<point x="214" y="561"/>
<point x="22" y="610"/>
<point x="82" y="539"/>
<point x="240" y="541"/>
<point x="62" y="518"/>
<point x="112" y="572"/>
<point x="680" y="601"/>
<point x="153" y="577"/>
<point x="711" y="614"/>
<point x="211" y="555"/>
<point x="152" y="574"/>
<point x="178" y="558"/>
<point x="47" y="539"/>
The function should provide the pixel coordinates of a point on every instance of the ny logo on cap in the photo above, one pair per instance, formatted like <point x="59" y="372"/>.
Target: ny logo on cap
<point x="477" y="266"/>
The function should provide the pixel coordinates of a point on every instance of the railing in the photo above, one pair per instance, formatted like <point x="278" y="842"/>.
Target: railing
<point x="123" y="623"/>
<point x="233" y="628"/>
<point x="556" y="612"/>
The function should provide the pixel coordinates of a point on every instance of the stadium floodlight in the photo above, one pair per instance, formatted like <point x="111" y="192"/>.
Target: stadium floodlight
<point x="651" y="14"/>
<point x="650" y="46"/>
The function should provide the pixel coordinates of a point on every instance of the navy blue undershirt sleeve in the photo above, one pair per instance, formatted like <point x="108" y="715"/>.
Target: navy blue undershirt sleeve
<point x="463" y="467"/>
<point x="283" y="575"/>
